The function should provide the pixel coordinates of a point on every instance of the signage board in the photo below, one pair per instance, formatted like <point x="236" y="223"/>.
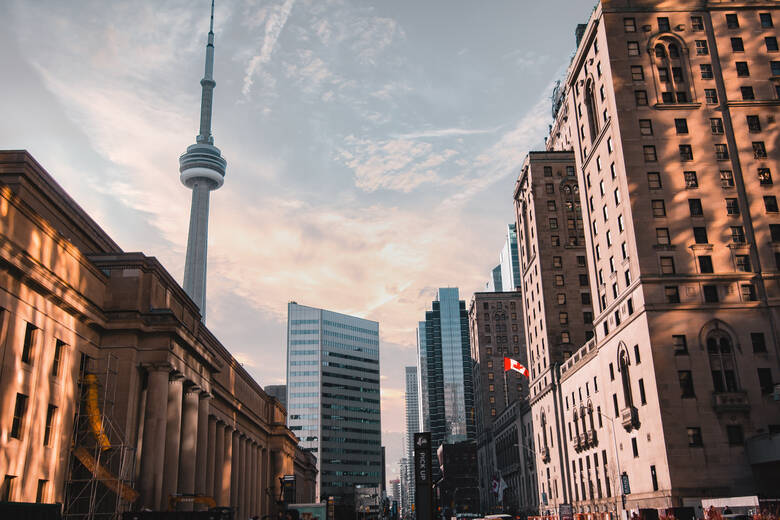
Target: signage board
<point x="423" y="478"/>
<point x="565" y="512"/>
<point x="625" y="484"/>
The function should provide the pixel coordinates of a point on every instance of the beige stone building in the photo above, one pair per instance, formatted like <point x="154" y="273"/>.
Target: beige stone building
<point x="670" y="111"/>
<point x="109" y="379"/>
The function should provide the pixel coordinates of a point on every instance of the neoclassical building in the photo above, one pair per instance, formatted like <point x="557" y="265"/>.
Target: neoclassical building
<point x="110" y="381"/>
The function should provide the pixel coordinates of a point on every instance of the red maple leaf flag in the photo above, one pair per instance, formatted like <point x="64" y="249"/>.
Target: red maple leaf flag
<point x="511" y="364"/>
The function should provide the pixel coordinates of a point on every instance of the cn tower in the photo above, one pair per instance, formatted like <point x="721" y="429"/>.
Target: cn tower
<point x="202" y="169"/>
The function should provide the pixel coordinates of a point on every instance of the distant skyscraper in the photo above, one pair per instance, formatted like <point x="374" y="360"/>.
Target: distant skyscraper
<point x="447" y="398"/>
<point x="202" y="169"/>
<point x="510" y="266"/>
<point x="412" y="427"/>
<point x="494" y="283"/>
<point x="278" y="391"/>
<point x="333" y="397"/>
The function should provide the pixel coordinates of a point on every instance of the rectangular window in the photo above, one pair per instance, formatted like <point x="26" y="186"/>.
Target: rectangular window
<point x="737" y="234"/>
<point x="766" y="20"/>
<point x="765" y="380"/>
<point x="711" y="96"/>
<point x="583" y="280"/>
<point x="649" y="153"/>
<point x="559" y="280"/>
<point x="737" y="45"/>
<point x="697" y="24"/>
<point x="694" y="437"/>
<point x="637" y="73"/>
<point x="735" y="435"/>
<point x="706" y="71"/>
<point x="691" y="181"/>
<point x="743" y="263"/>
<point x="680" y="344"/>
<point x="682" y="97"/>
<point x="677" y="75"/>
<point x="654" y="180"/>
<point x="672" y="294"/>
<point x="686" y="384"/>
<point x="551" y="206"/>
<point x="754" y="124"/>
<point x="701" y="48"/>
<point x="710" y="293"/>
<point x="555" y="241"/>
<point x="695" y="207"/>
<point x="629" y="24"/>
<point x="641" y="97"/>
<point x="742" y="69"/>
<point x="633" y="48"/>
<point x="716" y="124"/>
<point x="585" y="297"/>
<point x="758" y="341"/>
<point x="51" y="415"/>
<point x="662" y="236"/>
<point x="775" y="66"/>
<point x="732" y="22"/>
<point x="20" y="409"/>
<point x="40" y="494"/>
<point x="681" y="126"/>
<point x="667" y="265"/>
<point x="549" y="188"/>
<point x="747" y="93"/>
<point x="771" y="43"/>
<point x="645" y="127"/>
<point x="764" y="176"/>
<point x="55" y="366"/>
<point x="700" y="235"/>
<point x="748" y="292"/>
<point x="553" y="223"/>
<point x="667" y="97"/>
<point x="29" y="343"/>
<point x="659" y="208"/>
<point x="634" y="447"/>
<point x="686" y="152"/>
<point x="732" y="207"/>
<point x="759" y="150"/>
<point x="721" y="152"/>
<point x="642" y="396"/>
<point x="705" y="264"/>
<point x="770" y="203"/>
<point x="663" y="24"/>
<point x="615" y="404"/>
<point x="663" y="75"/>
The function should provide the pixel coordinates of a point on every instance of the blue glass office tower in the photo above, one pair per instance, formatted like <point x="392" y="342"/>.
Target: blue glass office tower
<point x="444" y="361"/>
<point x="333" y="397"/>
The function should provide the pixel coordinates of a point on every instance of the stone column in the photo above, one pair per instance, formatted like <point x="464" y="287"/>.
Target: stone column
<point x="219" y="462"/>
<point x="172" y="440"/>
<point x="202" y="457"/>
<point x="253" y="509"/>
<point x="234" y="469"/>
<point x="189" y="443"/>
<point x="208" y="489"/>
<point x="227" y="468"/>
<point x="242" y="478"/>
<point x="150" y="485"/>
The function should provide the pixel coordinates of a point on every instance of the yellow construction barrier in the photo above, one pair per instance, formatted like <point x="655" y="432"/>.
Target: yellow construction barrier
<point x="109" y="480"/>
<point x="93" y="412"/>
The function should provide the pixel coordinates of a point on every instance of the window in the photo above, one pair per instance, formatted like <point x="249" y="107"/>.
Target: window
<point x="667" y="97"/>
<point x="711" y="95"/>
<point x="642" y="396"/>
<point x="585" y="297"/>
<point x="561" y="298"/>
<point x="701" y="48"/>
<point x="51" y="414"/>
<point x="686" y="384"/>
<point x="641" y="97"/>
<point x="695" y="207"/>
<point x="19" y="411"/>
<point x="771" y="43"/>
<point x="580" y="261"/>
<point x="710" y="293"/>
<point x="722" y="362"/>
<point x="40" y="494"/>
<point x="551" y="206"/>
<point x="555" y="241"/>
<point x="726" y="179"/>
<point x="605" y="213"/>
<point x="748" y="292"/>
<point x="700" y="235"/>
<point x="743" y="263"/>
<point x="716" y="124"/>
<point x="732" y="207"/>
<point x="706" y="71"/>
<point x="662" y="236"/>
<point x="680" y="344"/>
<point x="627" y="277"/>
<point x="633" y="48"/>
<point x="754" y="124"/>
<point x="621" y="224"/>
<point x="654" y="180"/>
<point x="682" y="97"/>
<point x="649" y="153"/>
<point x="765" y="381"/>
<point x="770" y="203"/>
<point x="637" y="73"/>
<point x="565" y="337"/>
<point x="775" y="66"/>
<point x="737" y="235"/>
<point x="559" y="280"/>
<point x="705" y="264"/>
<point x="677" y="74"/>
<point x="29" y="343"/>
<point x="697" y="24"/>
<point x="721" y="152"/>
<point x="563" y="318"/>
<point x="694" y="437"/>
<point x="764" y="176"/>
<point x="659" y="208"/>
<point x="634" y="447"/>
<point x="663" y="75"/>
<point x="583" y="280"/>
<point x="686" y="152"/>
<point x="758" y="341"/>
<point x="766" y="20"/>
<point x="570" y="171"/>
<point x="629" y="24"/>
<point x="742" y="69"/>
<point x="645" y="127"/>
<point x="667" y="265"/>
<point x="681" y="126"/>
<point x="663" y="24"/>
<point x="553" y="223"/>
<point x="549" y="188"/>
<point x="732" y="22"/>
<point x="737" y="45"/>
<point x="587" y="318"/>
<point x="691" y="181"/>
<point x="747" y="93"/>
<point x="55" y="366"/>
<point x="759" y="150"/>
<point x="672" y="294"/>
<point x="735" y="435"/>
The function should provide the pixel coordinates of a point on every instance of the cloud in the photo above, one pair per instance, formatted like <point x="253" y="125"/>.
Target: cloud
<point x="274" y="23"/>
<point x="446" y="132"/>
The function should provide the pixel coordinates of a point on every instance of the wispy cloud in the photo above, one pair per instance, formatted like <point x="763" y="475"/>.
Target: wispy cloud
<point x="274" y="23"/>
<point x="447" y="132"/>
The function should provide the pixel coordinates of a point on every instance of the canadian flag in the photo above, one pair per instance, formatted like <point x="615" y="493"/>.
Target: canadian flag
<point x="511" y="364"/>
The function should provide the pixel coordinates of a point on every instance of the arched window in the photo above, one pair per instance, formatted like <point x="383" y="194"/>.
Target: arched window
<point x="722" y="362"/>
<point x="576" y="422"/>
<point x="672" y="70"/>
<point x="674" y="50"/>
<point x="660" y="51"/>
<point x="544" y="430"/>
<point x="570" y="195"/>
<point x="623" y="363"/>
<point x="590" y="105"/>
<point x="590" y="415"/>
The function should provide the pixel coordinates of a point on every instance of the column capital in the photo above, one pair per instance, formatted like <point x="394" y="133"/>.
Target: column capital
<point x="175" y="377"/>
<point x="163" y="366"/>
<point x="205" y="394"/>
<point x="191" y="388"/>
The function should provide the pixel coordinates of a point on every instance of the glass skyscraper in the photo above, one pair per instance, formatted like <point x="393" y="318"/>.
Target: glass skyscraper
<point x="444" y="362"/>
<point x="333" y="397"/>
<point x="510" y="261"/>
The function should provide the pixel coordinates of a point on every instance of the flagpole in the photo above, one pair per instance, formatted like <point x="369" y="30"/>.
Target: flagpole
<point x="506" y="392"/>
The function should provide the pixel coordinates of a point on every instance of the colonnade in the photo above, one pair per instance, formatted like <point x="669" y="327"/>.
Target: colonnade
<point x="186" y="449"/>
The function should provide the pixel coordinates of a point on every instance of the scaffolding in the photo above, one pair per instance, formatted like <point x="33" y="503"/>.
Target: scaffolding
<point x="101" y="465"/>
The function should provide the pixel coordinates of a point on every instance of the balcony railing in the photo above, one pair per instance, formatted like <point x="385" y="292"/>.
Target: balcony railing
<point x="592" y="438"/>
<point x="724" y="402"/>
<point x="630" y="418"/>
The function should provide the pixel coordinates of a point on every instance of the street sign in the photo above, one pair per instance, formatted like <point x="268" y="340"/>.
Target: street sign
<point x="544" y="498"/>
<point x="624" y="482"/>
<point x="423" y="480"/>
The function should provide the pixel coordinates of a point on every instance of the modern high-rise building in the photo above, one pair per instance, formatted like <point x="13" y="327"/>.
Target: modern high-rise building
<point x="412" y="427"/>
<point x="278" y="391"/>
<point x="333" y="397"/>
<point x="444" y="363"/>
<point x="669" y="110"/>
<point x="510" y="261"/>
<point x="494" y="281"/>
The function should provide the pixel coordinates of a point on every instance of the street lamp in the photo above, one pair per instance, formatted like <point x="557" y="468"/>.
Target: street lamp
<point x="618" y="484"/>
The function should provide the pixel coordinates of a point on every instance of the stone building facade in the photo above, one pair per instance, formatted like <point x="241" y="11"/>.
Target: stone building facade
<point x="187" y="416"/>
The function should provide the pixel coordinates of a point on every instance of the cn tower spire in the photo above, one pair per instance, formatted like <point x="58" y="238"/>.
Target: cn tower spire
<point x="202" y="169"/>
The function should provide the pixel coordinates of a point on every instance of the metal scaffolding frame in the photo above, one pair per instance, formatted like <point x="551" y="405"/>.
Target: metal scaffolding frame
<point x="101" y="465"/>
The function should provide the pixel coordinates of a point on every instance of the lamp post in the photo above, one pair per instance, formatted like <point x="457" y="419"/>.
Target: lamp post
<point x="618" y="484"/>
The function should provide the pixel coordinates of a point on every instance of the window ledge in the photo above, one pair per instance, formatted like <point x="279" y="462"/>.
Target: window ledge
<point x="676" y="106"/>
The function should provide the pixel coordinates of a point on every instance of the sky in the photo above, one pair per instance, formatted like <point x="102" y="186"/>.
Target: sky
<point x="372" y="147"/>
